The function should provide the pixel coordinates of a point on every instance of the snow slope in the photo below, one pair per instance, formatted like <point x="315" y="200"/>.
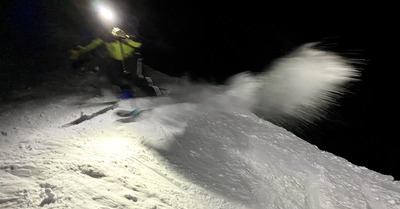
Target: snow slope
<point x="186" y="151"/>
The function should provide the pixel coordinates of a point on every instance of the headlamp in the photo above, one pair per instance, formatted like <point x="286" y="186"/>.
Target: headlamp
<point x="106" y="14"/>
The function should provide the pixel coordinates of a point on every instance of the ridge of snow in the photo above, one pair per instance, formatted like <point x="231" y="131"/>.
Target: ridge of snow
<point x="179" y="154"/>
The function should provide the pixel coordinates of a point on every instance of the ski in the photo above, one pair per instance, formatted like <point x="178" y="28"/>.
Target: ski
<point x="85" y="117"/>
<point x="94" y="104"/>
<point x="130" y="113"/>
<point x="127" y="113"/>
<point x="129" y="116"/>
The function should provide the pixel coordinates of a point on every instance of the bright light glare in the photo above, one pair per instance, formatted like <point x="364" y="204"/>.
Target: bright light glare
<point x="109" y="147"/>
<point x="106" y="14"/>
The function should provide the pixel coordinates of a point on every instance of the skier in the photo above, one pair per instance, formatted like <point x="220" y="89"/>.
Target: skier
<point x="118" y="57"/>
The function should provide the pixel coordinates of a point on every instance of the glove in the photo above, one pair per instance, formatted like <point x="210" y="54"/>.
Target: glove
<point x="118" y="33"/>
<point x="76" y="53"/>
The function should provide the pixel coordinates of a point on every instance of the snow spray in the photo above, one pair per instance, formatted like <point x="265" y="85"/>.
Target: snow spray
<point x="303" y="85"/>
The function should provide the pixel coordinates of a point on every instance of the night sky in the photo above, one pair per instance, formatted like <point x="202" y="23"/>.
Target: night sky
<point x="212" y="41"/>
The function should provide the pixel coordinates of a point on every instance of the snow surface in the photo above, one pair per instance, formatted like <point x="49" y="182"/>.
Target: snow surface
<point x="192" y="150"/>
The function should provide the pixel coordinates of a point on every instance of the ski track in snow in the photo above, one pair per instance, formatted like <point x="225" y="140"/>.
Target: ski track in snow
<point x="176" y="155"/>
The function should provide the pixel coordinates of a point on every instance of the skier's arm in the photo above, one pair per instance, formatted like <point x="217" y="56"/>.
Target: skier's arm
<point x="132" y="43"/>
<point x="93" y="45"/>
<point x="76" y="53"/>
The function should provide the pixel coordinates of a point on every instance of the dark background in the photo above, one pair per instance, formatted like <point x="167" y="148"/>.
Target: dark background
<point x="212" y="41"/>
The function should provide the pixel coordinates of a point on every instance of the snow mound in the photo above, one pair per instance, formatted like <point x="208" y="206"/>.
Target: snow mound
<point x="191" y="149"/>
